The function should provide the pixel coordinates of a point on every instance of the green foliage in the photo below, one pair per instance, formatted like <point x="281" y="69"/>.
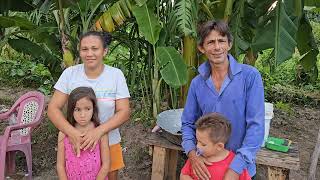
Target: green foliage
<point x="316" y="31"/>
<point x="149" y="26"/>
<point x="172" y="67"/>
<point x="26" y="73"/>
<point x="284" y="107"/>
<point x="280" y="31"/>
<point x="282" y="84"/>
<point x="185" y="14"/>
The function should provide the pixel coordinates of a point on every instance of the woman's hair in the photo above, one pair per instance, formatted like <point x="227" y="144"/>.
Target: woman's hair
<point x="218" y="127"/>
<point x="217" y="25"/>
<point x="75" y="96"/>
<point x="104" y="37"/>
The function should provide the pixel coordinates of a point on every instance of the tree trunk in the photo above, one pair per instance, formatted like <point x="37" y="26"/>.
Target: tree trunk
<point x="314" y="160"/>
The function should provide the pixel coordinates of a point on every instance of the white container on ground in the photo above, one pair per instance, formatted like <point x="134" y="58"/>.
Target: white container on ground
<point x="268" y="107"/>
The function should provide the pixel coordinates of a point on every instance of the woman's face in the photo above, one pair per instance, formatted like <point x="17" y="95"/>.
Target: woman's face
<point x="92" y="51"/>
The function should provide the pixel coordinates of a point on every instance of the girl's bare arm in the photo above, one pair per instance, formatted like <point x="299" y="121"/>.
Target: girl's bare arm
<point x="61" y="170"/>
<point x="105" y="157"/>
<point x="185" y="177"/>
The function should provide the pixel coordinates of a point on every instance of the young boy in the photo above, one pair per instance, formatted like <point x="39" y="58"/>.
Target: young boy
<point x="212" y="133"/>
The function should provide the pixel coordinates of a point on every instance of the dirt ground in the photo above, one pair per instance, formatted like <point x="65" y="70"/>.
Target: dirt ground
<point x="300" y="125"/>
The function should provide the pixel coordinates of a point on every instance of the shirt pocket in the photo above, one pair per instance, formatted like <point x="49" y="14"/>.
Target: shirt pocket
<point x="239" y="105"/>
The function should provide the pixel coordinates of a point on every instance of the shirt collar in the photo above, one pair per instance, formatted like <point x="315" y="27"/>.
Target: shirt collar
<point x="234" y="68"/>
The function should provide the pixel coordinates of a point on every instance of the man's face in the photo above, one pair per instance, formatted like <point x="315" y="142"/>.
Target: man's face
<point x="215" y="47"/>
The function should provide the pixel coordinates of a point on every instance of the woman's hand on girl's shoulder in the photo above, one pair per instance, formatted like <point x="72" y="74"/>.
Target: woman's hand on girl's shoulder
<point x="91" y="138"/>
<point x="76" y="138"/>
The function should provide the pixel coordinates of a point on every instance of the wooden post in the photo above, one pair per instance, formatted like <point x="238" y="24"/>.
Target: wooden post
<point x="275" y="173"/>
<point x="314" y="160"/>
<point x="172" y="164"/>
<point x="158" y="163"/>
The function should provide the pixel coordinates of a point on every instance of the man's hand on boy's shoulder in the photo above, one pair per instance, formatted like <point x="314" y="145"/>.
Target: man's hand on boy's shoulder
<point x="231" y="175"/>
<point x="198" y="164"/>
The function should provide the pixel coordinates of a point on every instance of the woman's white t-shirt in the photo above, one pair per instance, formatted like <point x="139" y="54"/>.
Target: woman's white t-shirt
<point x="108" y="87"/>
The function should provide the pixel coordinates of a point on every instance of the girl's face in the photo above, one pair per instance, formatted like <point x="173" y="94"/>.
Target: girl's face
<point x="206" y="146"/>
<point x="92" y="52"/>
<point x="83" y="111"/>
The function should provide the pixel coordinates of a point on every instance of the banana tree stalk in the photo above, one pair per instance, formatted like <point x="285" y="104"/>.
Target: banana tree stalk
<point x="228" y="10"/>
<point x="250" y="57"/>
<point x="64" y="40"/>
<point x="155" y="87"/>
<point x="189" y="56"/>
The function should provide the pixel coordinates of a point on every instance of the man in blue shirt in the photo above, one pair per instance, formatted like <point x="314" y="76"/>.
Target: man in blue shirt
<point x="236" y="91"/>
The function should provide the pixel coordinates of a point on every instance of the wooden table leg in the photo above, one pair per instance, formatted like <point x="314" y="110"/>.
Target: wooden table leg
<point x="164" y="164"/>
<point x="172" y="164"/>
<point x="158" y="163"/>
<point x="275" y="173"/>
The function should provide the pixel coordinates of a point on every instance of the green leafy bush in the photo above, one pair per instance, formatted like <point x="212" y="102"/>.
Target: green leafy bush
<point x="26" y="73"/>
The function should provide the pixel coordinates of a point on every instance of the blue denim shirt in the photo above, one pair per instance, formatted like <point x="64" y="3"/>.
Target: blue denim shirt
<point x="240" y="100"/>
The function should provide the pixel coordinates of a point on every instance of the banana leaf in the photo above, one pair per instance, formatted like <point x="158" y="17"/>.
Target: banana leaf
<point x="16" y="21"/>
<point x="16" y="5"/>
<point x="184" y="12"/>
<point x="172" y="68"/>
<point x="148" y="23"/>
<point x="278" y="32"/>
<point x="307" y="45"/>
<point x="26" y="46"/>
<point x="116" y="15"/>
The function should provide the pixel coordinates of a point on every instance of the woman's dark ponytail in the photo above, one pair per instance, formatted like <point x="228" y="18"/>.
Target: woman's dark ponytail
<point x="107" y="38"/>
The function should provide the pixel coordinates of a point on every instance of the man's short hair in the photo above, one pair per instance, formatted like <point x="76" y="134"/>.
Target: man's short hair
<point x="218" y="127"/>
<point x="217" y="25"/>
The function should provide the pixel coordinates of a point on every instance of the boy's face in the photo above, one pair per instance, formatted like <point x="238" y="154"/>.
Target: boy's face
<point x="205" y="144"/>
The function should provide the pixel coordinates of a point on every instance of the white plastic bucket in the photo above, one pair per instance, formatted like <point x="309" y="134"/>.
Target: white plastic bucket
<point x="268" y="108"/>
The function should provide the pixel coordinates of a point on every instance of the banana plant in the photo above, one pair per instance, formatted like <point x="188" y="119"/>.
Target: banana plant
<point x="166" y="60"/>
<point x="37" y="41"/>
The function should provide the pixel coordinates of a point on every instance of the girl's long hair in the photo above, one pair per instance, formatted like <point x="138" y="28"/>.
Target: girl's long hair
<point x="76" y="95"/>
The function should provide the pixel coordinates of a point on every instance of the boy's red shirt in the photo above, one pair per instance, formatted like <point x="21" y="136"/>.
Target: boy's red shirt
<point x="217" y="169"/>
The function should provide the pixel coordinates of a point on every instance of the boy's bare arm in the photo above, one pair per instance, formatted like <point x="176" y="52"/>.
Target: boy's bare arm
<point x="105" y="157"/>
<point x="61" y="170"/>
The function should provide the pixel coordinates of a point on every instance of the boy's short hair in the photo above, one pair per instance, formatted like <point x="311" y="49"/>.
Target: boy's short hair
<point x="217" y="125"/>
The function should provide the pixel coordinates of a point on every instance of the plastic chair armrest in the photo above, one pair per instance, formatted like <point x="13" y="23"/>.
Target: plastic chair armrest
<point x="20" y="126"/>
<point x="5" y="116"/>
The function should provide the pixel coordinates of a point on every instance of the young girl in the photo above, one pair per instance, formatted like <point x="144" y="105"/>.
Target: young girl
<point x="212" y="132"/>
<point x="82" y="113"/>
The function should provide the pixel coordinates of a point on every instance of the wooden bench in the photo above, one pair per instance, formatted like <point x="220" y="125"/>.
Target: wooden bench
<point x="165" y="157"/>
